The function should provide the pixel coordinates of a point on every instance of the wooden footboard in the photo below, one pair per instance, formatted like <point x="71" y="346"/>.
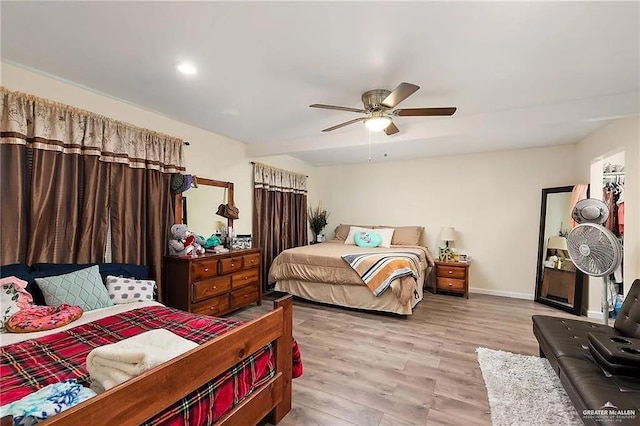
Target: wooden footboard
<point x="139" y="399"/>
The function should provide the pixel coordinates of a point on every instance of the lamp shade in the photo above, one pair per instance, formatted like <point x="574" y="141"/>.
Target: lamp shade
<point x="447" y="233"/>
<point x="557" y="243"/>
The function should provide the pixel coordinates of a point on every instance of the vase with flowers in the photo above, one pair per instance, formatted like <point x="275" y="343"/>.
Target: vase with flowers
<point x="318" y="219"/>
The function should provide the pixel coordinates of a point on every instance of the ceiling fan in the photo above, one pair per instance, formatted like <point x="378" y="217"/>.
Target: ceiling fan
<point x="378" y="104"/>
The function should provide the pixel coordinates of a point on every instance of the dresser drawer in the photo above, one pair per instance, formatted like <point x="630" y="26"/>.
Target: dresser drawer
<point x="204" y="269"/>
<point x="231" y="264"/>
<point x="251" y="260"/>
<point x="451" y="271"/>
<point x="212" y="287"/>
<point x="214" y="306"/>
<point x="245" y="277"/>
<point x="244" y="296"/>
<point x="450" y="284"/>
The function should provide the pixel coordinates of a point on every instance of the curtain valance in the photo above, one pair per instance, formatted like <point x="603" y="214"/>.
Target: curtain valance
<point x="47" y="125"/>
<point x="272" y="179"/>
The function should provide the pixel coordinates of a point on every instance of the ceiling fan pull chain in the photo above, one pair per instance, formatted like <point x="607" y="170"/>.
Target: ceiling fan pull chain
<point x="369" y="146"/>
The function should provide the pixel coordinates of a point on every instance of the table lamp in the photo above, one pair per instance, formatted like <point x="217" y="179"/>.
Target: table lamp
<point x="447" y="233"/>
<point x="557" y="243"/>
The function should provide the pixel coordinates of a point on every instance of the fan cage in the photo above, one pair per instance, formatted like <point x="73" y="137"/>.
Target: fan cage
<point x="594" y="249"/>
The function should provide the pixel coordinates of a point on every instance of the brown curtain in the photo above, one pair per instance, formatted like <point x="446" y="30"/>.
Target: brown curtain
<point x="280" y="213"/>
<point x="68" y="175"/>
<point x="141" y="213"/>
<point x="14" y="195"/>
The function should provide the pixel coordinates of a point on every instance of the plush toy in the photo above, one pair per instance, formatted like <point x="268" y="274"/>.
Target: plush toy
<point x="183" y="242"/>
<point x="212" y="241"/>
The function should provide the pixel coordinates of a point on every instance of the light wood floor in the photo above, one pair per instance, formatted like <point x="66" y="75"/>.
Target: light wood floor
<point x="374" y="369"/>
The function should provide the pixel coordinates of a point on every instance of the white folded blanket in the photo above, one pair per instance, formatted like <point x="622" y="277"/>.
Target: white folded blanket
<point x="110" y="365"/>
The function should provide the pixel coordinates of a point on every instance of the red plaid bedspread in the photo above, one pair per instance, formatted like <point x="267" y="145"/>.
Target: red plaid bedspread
<point x="30" y="365"/>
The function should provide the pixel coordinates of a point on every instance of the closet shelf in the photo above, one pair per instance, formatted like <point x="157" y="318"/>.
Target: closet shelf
<point x="613" y="174"/>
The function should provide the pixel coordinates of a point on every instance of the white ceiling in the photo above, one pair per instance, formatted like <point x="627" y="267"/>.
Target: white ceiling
<point x="521" y="74"/>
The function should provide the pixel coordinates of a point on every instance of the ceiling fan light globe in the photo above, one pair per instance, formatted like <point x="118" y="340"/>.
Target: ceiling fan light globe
<point x="377" y="124"/>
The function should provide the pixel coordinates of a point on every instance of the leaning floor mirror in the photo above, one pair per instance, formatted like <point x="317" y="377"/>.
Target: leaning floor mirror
<point x="558" y="283"/>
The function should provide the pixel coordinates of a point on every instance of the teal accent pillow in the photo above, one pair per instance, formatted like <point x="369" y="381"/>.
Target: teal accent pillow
<point x="367" y="239"/>
<point x="83" y="288"/>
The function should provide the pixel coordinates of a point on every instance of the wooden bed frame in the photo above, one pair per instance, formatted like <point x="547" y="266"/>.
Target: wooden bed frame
<point x="139" y="399"/>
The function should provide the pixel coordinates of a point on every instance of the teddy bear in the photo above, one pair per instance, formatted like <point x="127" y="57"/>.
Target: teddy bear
<point x="183" y="242"/>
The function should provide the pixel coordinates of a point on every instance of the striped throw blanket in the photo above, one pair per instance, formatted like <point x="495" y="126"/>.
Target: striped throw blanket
<point x="381" y="270"/>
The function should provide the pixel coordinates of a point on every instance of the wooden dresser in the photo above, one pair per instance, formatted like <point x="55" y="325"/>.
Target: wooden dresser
<point x="213" y="284"/>
<point x="452" y="277"/>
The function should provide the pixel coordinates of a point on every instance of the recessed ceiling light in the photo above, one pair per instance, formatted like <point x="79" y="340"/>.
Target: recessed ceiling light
<point x="186" y="68"/>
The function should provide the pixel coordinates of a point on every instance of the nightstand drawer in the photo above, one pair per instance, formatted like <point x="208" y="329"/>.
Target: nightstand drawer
<point x="231" y="264"/>
<point x="243" y="278"/>
<point x="251" y="260"/>
<point x="244" y="296"/>
<point x="451" y="272"/>
<point x="212" y="287"/>
<point x="450" y="284"/>
<point x="204" y="269"/>
<point x="214" y="306"/>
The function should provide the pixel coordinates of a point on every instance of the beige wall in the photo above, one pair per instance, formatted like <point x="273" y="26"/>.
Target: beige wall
<point x="620" y="135"/>
<point x="492" y="199"/>
<point x="210" y="155"/>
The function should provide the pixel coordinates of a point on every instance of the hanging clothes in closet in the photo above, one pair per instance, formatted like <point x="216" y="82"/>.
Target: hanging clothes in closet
<point x="613" y="196"/>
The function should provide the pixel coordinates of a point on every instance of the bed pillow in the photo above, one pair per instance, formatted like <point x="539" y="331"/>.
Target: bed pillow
<point x="41" y="318"/>
<point x="367" y="239"/>
<point x="140" y="272"/>
<point x="405" y="235"/>
<point x="128" y="290"/>
<point x="13" y="297"/>
<point x="342" y="231"/>
<point x="83" y="288"/>
<point x="385" y="233"/>
<point x="23" y="272"/>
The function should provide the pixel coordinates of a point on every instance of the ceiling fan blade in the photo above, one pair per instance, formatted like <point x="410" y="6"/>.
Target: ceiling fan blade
<point x="424" y="112"/>
<point x="339" y="108"/>
<point x="391" y="129"/>
<point x="399" y="94"/>
<point x="346" y="123"/>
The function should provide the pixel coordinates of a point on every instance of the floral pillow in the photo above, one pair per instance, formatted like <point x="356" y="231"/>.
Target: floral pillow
<point x="127" y="290"/>
<point x="13" y="297"/>
<point x="41" y="318"/>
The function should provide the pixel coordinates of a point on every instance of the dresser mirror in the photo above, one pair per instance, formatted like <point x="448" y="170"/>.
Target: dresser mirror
<point x="197" y="206"/>
<point x="558" y="282"/>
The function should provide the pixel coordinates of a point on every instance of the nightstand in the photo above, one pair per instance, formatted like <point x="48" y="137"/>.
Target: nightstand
<point x="452" y="277"/>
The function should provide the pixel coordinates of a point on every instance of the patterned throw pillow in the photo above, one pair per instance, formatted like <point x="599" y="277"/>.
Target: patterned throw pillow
<point x="367" y="239"/>
<point x="127" y="290"/>
<point x="41" y="318"/>
<point x="83" y="288"/>
<point x="13" y="297"/>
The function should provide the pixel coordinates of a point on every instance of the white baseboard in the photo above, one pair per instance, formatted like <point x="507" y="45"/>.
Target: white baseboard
<point x="595" y="315"/>
<point x="513" y="295"/>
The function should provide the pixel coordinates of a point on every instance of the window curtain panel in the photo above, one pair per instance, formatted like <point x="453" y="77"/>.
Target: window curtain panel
<point x="280" y="212"/>
<point x="68" y="174"/>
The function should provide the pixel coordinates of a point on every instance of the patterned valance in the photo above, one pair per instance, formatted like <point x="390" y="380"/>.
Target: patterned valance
<point x="47" y="125"/>
<point x="272" y="179"/>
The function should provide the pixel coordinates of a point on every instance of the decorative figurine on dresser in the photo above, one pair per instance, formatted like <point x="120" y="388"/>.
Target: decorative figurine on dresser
<point x="213" y="284"/>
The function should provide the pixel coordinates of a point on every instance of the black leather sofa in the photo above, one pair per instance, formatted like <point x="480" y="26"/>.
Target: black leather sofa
<point x="565" y="343"/>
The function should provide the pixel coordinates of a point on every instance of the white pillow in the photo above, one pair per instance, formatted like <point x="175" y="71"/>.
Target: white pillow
<point x="385" y="233"/>
<point x="128" y="290"/>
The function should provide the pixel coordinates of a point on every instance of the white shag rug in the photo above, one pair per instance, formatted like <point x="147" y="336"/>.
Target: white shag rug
<point x="524" y="391"/>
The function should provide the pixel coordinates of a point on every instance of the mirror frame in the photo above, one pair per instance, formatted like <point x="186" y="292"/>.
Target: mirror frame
<point x="208" y="182"/>
<point x="577" y="300"/>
